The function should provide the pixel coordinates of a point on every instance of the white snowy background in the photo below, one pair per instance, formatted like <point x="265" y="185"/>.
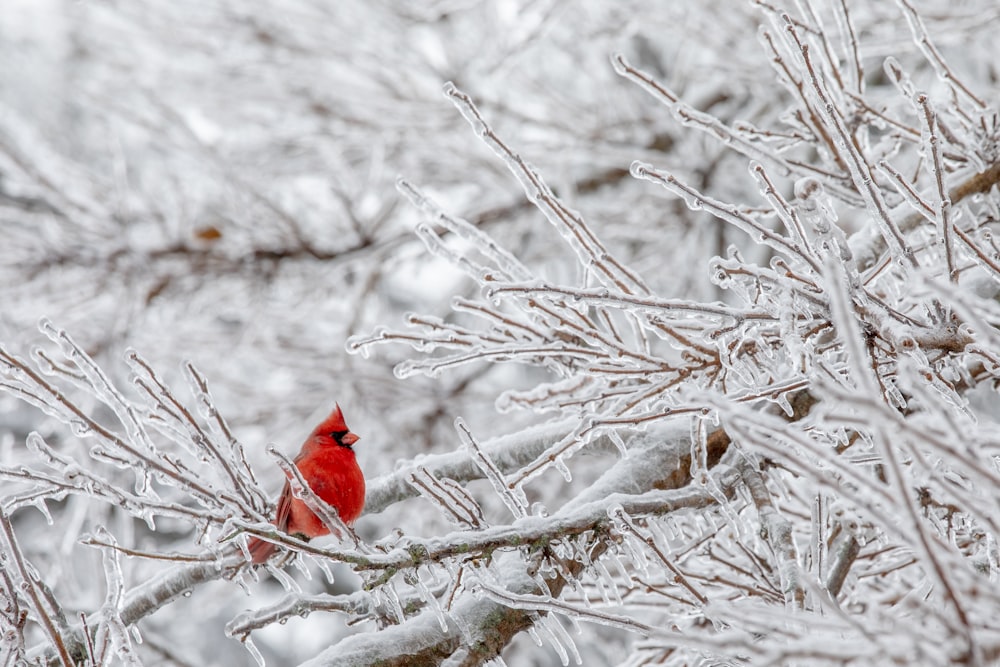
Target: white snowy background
<point x="670" y="330"/>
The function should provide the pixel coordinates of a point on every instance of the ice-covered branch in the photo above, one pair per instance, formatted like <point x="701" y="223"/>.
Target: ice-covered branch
<point x="768" y="360"/>
<point x="534" y="532"/>
<point x="590" y="250"/>
<point x="487" y="626"/>
<point x="52" y="620"/>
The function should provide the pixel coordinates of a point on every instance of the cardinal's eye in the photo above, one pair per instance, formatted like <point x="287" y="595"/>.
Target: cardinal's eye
<point x="338" y="437"/>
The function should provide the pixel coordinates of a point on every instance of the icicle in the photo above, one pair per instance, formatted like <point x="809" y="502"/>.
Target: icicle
<point x="388" y="593"/>
<point x="539" y="578"/>
<point x="615" y="558"/>
<point x="615" y="437"/>
<point x="40" y="505"/>
<point x="149" y="517"/>
<point x="432" y="602"/>
<point x="632" y="547"/>
<point x="655" y="529"/>
<point x="543" y="623"/>
<point x="893" y="396"/>
<point x="602" y="589"/>
<point x="300" y="565"/>
<point x="557" y="629"/>
<point x="286" y="581"/>
<point x="608" y="581"/>
<point x="253" y="650"/>
<point x="581" y="590"/>
<point x="782" y="400"/>
<point x="324" y="567"/>
<point x="563" y="469"/>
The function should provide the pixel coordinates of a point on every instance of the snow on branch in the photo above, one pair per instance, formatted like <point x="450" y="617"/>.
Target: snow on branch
<point x="793" y="461"/>
<point x="827" y="324"/>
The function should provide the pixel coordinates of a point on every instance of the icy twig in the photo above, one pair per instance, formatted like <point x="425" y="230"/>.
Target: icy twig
<point x="168" y="404"/>
<point x="934" y="57"/>
<point x="94" y="541"/>
<point x="867" y="246"/>
<point x="852" y="156"/>
<point x="102" y="387"/>
<point x="777" y="530"/>
<point x="789" y="216"/>
<point x="506" y="265"/>
<point x="508" y="453"/>
<point x="244" y="479"/>
<point x="530" y="531"/>
<point x="850" y="39"/>
<point x="63" y="645"/>
<point x="301" y="490"/>
<point x="942" y="211"/>
<point x="548" y="604"/>
<point x="679" y="308"/>
<point x="112" y="634"/>
<point x="512" y="497"/>
<point x="624" y="523"/>
<point x="422" y="636"/>
<point x="358" y="605"/>
<point x="987" y="259"/>
<point x="905" y="188"/>
<point x="570" y="225"/>
<point x="692" y="117"/>
<point x="35" y="389"/>
<point x="868" y="383"/>
<point x="697" y="201"/>
<point x="449" y="496"/>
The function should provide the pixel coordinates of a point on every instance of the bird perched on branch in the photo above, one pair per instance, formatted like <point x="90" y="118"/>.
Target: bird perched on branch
<point x="328" y="465"/>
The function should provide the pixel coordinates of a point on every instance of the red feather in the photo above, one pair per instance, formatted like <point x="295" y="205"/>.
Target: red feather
<point x="329" y="467"/>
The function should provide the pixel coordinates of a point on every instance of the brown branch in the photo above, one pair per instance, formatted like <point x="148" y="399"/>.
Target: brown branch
<point x="845" y="552"/>
<point x="30" y="586"/>
<point x="869" y="247"/>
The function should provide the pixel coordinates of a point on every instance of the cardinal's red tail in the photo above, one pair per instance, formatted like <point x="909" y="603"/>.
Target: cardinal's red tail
<point x="260" y="550"/>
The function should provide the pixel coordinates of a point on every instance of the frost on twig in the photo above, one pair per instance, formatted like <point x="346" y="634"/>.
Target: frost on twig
<point x="833" y="383"/>
<point x="542" y="537"/>
<point x="155" y="460"/>
<point x="792" y="461"/>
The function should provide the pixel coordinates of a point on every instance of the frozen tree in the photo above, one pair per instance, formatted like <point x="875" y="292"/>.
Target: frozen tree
<point x="727" y="272"/>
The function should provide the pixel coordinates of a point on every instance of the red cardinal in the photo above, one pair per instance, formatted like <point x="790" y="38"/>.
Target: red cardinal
<point x="328" y="465"/>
